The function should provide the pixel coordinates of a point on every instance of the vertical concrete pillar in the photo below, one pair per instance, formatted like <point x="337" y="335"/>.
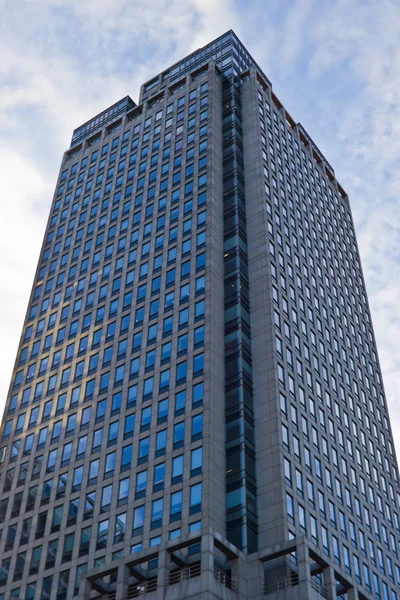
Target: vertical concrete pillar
<point x="239" y="577"/>
<point x="303" y="567"/>
<point x="207" y="562"/>
<point x="207" y="553"/>
<point x="352" y="594"/>
<point x="122" y="583"/>
<point x="162" y="573"/>
<point x="85" y="588"/>
<point x="254" y="572"/>
<point x="330" y="582"/>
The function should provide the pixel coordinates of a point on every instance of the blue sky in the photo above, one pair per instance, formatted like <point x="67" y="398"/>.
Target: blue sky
<point x="334" y="64"/>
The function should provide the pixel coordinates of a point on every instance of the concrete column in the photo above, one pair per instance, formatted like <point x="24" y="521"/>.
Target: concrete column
<point x="303" y="567"/>
<point x="207" y="552"/>
<point x="352" y="594"/>
<point x="162" y="573"/>
<point x="330" y="582"/>
<point x="254" y="571"/>
<point x="239" y="576"/>
<point x="207" y="562"/>
<point x="122" y="583"/>
<point x="84" y="589"/>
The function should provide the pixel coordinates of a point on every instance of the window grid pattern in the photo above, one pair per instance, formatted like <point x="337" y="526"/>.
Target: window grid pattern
<point x="339" y="463"/>
<point x="104" y="435"/>
<point x="109" y="382"/>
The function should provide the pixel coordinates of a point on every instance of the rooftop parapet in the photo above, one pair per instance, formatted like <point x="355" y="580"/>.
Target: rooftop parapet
<point x="100" y="120"/>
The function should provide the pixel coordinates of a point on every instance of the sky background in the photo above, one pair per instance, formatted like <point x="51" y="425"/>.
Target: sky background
<point x="334" y="64"/>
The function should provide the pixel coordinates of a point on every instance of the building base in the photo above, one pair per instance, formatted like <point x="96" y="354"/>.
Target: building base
<point x="209" y="567"/>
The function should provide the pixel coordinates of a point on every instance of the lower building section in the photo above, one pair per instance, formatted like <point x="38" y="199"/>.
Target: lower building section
<point x="207" y="567"/>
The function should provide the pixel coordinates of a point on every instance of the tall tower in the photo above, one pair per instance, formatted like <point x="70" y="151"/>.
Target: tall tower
<point x="197" y="408"/>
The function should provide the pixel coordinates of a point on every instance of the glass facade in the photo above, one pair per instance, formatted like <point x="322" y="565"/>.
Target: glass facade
<point x="197" y="381"/>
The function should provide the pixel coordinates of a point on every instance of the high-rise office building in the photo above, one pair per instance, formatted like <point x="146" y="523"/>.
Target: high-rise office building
<point x="197" y="408"/>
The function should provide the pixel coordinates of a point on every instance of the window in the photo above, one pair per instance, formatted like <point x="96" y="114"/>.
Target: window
<point x="126" y="458"/>
<point x="182" y="344"/>
<point x="161" y="442"/>
<point x="159" y="477"/>
<point x="177" y="469"/>
<point x="180" y="401"/>
<point x="164" y="379"/>
<point x="68" y="547"/>
<point x="290" y="508"/>
<point x="145" y="419"/>
<point x="148" y="385"/>
<point x="176" y="506"/>
<point x="132" y="395"/>
<point x="120" y="528"/>
<point x="77" y="479"/>
<point x="141" y="482"/>
<point x="51" y="461"/>
<point x="85" y="418"/>
<point x="162" y="413"/>
<point x="143" y="450"/>
<point x="116" y="403"/>
<point x="138" y="520"/>
<point x="106" y="496"/>
<point x="46" y="588"/>
<point x="195" y="499"/>
<point x="198" y="336"/>
<point x="41" y="525"/>
<point x="129" y="426"/>
<point x="179" y="434"/>
<point x="197" y="427"/>
<point x="102" y="534"/>
<point x="198" y="365"/>
<point x="123" y="491"/>
<point x="196" y="460"/>
<point x="109" y="465"/>
<point x="101" y="410"/>
<point x="199" y="310"/>
<point x="93" y="471"/>
<point x="86" y="534"/>
<point x="197" y="397"/>
<point x="89" y="505"/>
<point x="183" y="317"/>
<point x="181" y="371"/>
<point x="156" y="513"/>
<point x="167" y="326"/>
<point x="134" y="367"/>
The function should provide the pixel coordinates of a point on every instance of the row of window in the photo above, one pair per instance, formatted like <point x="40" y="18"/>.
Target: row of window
<point x="133" y="255"/>
<point x="109" y="530"/>
<point x="314" y="368"/>
<point x="64" y="578"/>
<point x="350" y="259"/>
<point x="128" y="488"/>
<point x="95" y="206"/>
<point x="353" y="330"/>
<point x="319" y="291"/>
<point x="159" y="284"/>
<point x="184" y="317"/>
<point x="352" y="564"/>
<point x="107" y="465"/>
<point x="181" y="369"/>
<point x="140" y="181"/>
<point x="315" y="267"/>
<point x="294" y="265"/>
